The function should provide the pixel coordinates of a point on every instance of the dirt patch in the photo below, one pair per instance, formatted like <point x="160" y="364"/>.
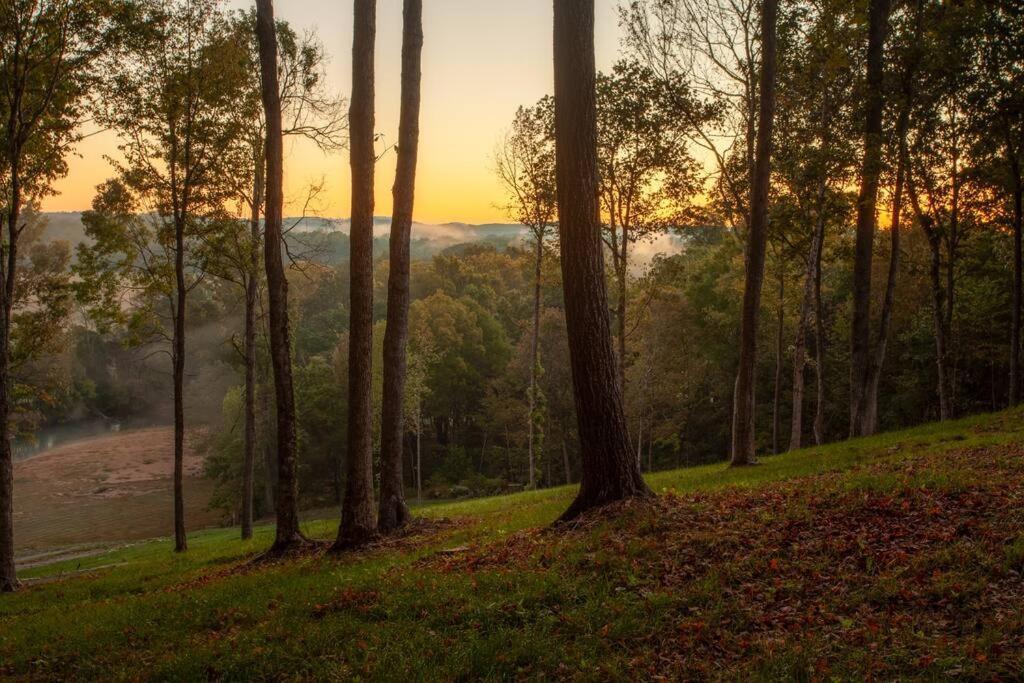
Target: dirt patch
<point x="106" y="489"/>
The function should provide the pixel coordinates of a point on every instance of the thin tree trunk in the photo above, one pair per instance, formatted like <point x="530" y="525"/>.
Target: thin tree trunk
<point x="743" y="449"/>
<point x="869" y="415"/>
<point x="288" y="534"/>
<point x="938" y="321"/>
<point x="610" y="470"/>
<point x="1015" y="328"/>
<point x="819" y="357"/>
<point x="779" y="343"/>
<point x="534" y="348"/>
<point x="860" y="337"/>
<point x="358" y="523"/>
<point x="806" y="305"/>
<point x="620" y="318"/>
<point x="393" y="511"/>
<point x="178" y="355"/>
<point x="251" y="299"/>
<point x="269" y="439"/>
<point x="9" y="260"/>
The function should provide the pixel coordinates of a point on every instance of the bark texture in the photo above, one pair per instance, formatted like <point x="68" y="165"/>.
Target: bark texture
<point x="743" y="449"/>
<point x="871" y="171"/>
<point x="251" y="300"/>
<point x="609" y="466"/>
<point x="178" y="358"/>
<point x="286" y="497"/>
<point x="393" y="511"/>
<point x="358" y="518"/>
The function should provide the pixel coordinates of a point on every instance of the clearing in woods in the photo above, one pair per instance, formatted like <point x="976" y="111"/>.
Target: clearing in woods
<point x="105" y="490"/>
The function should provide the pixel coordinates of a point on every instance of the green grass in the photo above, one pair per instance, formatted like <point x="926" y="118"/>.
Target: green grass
<point x="589" y="604"/>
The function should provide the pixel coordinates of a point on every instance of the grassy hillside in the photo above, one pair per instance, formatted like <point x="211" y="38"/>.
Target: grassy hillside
<point x="899" y="556"/>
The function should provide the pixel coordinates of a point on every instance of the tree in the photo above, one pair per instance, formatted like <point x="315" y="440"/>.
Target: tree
<point x="48" y="51"/>
<point x="308" y="111"/>
<point x="358" y="525"/>
<point x="716" y="43"/>
<point x="172" y="102"/>
<point x="525" y="164"/>
<point x="610" y="471"/>
<point x="867" y="219"/>
<point x="743" y="448"/>
<point x="288" y="536"/>
<point x="393" y="511"/>
<point x="648" y="177"/>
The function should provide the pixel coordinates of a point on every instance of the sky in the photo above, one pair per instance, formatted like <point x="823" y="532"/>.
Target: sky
<point x="481" y="60"/>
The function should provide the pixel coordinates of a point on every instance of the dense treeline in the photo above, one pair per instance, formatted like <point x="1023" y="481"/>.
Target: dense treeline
<point x="839" y="183"/>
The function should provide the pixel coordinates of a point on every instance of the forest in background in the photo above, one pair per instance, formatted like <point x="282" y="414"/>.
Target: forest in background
<point x="675" y="316"/>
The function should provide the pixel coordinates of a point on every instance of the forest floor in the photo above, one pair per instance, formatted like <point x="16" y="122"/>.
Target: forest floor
<point x="93" y="493"/>
<point x="895" y="557"/>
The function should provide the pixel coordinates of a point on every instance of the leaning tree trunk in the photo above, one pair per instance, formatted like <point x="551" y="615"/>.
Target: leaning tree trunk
<point x="178" y="356"/>
<point x="393" y="511"/>
<point x="358" y="525"/>
<point x="286" y="499"/>
<point x="743" y="449"/>
<point x="8" y="574"/>
<point x="609" y="467"/>
<point x="860" y="336"/>
<point x="251" y="298"/>
<point x="534" y="351"/>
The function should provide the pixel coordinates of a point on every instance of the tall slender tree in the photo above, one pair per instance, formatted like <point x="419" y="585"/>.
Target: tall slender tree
<point x="393" y="511"/>
<point x="610" y="470"/>
<point x="358" y="523"/>
<point x="288" y="535"/>
<point x="867" y="218"/>
<point x="743" y="448"/>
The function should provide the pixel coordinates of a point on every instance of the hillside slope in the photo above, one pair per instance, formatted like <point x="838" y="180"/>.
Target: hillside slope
<point x="899" y="556"/>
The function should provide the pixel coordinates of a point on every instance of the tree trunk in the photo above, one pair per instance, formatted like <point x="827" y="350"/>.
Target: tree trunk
<point x="358" y="525"/>
<point x="819" y="358"/>
<point x="393" y="511"/>
<point x="620" y="318"/>
<point x="286" y="499"/>
<point x="609" y="470"/>
<point x="251" y="300"/>
<point x="1018" y="191"/>
<point x="178" y="355"/>
<point x="860" y="336"/>
<point x="800" y="343"/>
<point x="8" y="574"/>
<point x="869" y="414"/>
<point x="534" y="348"/>
<point x="938" y="316"/>
<point x="743" y="450"/>
<point x="779" y="343"/>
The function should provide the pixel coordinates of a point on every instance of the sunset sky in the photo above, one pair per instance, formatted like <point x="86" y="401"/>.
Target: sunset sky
<point x="481" y="59"/>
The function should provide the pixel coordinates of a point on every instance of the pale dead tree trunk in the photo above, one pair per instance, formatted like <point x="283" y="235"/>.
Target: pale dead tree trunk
<point x="535" y="346"/>
<point x="806" y="305"/>
<point x="779" y="344"/>
<point x="358" y="523"/>
<point x="610" y="470"/>
<point x="288" y="535"/>
<point x="393" y="511"/>
<point x="251" y="300"/>
<point x="860" y="336"/>
<point x="743" y="449"/>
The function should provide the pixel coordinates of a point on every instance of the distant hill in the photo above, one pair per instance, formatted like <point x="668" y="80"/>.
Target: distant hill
<point x="327" y="238"/>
